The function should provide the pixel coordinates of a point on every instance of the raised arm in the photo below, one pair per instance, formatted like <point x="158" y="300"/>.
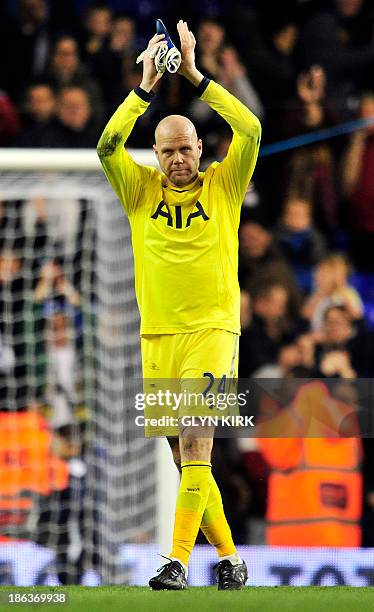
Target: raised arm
<point x="124" y="174"/>
<point x="236" y="169"/>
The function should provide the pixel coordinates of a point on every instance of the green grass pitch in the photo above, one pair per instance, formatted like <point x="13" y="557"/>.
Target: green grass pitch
<point x="256" y="599"/>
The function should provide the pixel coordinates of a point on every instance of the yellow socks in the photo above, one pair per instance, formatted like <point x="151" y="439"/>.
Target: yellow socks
<point x="199" y="504"/>
<point x="192" y="499"/>
<point x="214" y="524"/>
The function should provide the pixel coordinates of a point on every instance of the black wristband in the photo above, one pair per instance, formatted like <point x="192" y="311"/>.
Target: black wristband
<point x="202" y="86"/>
<point x="144" y="95"/>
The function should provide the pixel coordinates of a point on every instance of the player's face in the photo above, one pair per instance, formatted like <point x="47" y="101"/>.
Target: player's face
<point x="179" y="156"/>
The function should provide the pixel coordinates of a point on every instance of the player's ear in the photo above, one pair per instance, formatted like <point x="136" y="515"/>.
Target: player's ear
<point x="200" y="147"/>
<point x="155" y="150"/>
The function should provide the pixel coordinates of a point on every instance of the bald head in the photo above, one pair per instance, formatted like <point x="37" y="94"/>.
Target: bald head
<point x="174" y="126"/>
<point x="178" y="149"/>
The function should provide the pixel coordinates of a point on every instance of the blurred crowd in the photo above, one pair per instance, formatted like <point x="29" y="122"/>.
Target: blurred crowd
<point x="43" y="415"/>
<point x="306" y="264"/>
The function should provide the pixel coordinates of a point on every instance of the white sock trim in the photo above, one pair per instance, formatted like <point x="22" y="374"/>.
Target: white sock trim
<point x="234" y="559"/>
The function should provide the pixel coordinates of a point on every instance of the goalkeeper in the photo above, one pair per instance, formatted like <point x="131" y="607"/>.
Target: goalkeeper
<point x="185" y="239"/>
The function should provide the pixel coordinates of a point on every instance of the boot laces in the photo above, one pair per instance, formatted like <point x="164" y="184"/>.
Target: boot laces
<point x="173" y="568"/>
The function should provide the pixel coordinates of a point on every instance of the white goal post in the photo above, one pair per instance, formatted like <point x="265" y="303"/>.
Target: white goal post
<point x="130" y="484"/>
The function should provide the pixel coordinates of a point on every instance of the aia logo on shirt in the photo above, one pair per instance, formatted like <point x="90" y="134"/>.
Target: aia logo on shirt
<point x="163" y="210"/>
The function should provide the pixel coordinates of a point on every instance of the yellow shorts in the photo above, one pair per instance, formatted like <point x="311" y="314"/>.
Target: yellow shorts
<point x="183" y="368"/>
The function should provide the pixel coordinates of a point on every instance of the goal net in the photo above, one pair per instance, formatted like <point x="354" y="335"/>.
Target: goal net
<point x="78" y="479"/>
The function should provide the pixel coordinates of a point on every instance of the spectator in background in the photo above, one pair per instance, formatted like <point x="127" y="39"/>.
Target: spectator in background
<point x="257" y="248"/>
<point x="114" y="66"/>
<point x="122" y="36"/>
<point x="261" y="261"/>
<point x="271" y="326"/>
<point x="53" y="296"/>
<point x="274" y="69"/>
<point x="272" y="65"/>
<point x="28" y="45"/>
<point x="62" y="372"/>
<point x="332" y="288"/>
<point x="58" y="219"/>
<point x="222" y="63"/>
<point x="73" y="127"/>
<point x="40" y="105"/>
<point x="300" y="243"/>
<point x="358" y="186"/>
<point x="347" y="60"/>
<point x="53" y="285"/>
<point x="64" y="511"/>
<point x="298" y="354"/>
<point x="259" y="253"/>
<point x="66" y="69"/>
<point x="355" y="22"/>
<point x="13" y="236"/>
<point x="336" y="363"/>
<point x="310" y="170"/>
<point x="233" y="76"/>
<point x="97" y="28"/>
<point x="9" y="122"/>
<point x="351" y="346"/>
<point x="211" y="38"/>
<point x="10" y="265"/>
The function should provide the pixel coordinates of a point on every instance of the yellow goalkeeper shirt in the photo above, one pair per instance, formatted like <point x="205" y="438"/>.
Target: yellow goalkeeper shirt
<point x="185" y="240"/>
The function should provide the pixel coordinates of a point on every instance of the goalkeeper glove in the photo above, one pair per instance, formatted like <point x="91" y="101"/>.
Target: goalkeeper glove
<point x="166" y="56"/>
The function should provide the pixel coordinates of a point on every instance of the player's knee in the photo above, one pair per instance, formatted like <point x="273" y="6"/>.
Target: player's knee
<point x="195" y="448"/>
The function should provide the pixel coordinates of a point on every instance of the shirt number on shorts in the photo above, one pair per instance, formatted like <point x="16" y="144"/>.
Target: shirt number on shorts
<point x="221" y="385"/>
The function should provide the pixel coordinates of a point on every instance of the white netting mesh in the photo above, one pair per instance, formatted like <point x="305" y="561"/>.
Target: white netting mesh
<point x="69" y="367"/>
